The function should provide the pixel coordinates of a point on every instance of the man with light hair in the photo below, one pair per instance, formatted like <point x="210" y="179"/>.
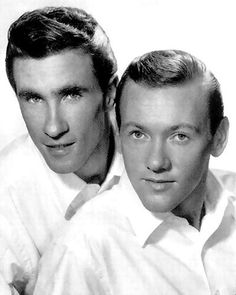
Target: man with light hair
<point x="169" y="225"/>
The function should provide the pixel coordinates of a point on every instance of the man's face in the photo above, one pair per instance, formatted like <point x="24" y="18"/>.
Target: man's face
<point x="63" y="108"/>
<point x="165" y="142"/>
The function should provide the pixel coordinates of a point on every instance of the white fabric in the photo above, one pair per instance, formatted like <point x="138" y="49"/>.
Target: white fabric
<point x="33" y="202"/>
<point x="115" y="246"/>
<point x="5" y="288"/>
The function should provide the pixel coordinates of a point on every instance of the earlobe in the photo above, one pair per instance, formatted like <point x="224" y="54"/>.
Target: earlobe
<point x="220" y="138"/>
<point x="111" y="93"/>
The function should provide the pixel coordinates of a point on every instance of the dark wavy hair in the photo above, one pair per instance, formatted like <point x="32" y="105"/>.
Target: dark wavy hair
<point x="50" y="30"/>
<point x="170" y="68"/>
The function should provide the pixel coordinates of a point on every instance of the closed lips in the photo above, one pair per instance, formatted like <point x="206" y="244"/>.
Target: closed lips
<point x="158" y="180"/>
<point x="61" y="145"/>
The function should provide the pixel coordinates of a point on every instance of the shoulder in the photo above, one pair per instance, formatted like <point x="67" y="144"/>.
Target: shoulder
<point x="226" y="178"/>
<point x="15" y="146"/>
<point x="14" y="153"/>
<point x="100" y="213"/>
<point x="18" y="160"/>
<point x="95" y="223"/>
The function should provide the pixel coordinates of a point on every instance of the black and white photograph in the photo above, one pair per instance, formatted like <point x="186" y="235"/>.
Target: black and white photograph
<point x="117" y="147"/>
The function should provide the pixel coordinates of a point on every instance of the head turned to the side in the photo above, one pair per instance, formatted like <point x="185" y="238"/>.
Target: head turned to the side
<point x="61" y="66"/>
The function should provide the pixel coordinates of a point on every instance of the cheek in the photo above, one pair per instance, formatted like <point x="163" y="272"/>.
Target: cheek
<point x="133" y="158"/>
<point x="194" y="155"/>
<point x="192" y="165"/>
<point x="33" y="118"/>
<point x="87" y="115"/>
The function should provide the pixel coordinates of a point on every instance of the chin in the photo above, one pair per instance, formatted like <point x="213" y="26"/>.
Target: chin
<point x="158" y="206"/>
<point x="61" y="168"/>
<point x="160" y="210"/>
<point x="61" y="171"/>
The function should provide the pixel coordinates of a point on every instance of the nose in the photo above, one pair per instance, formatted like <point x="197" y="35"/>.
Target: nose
<point x="55" y="123"/>
<point x="158" y="159"/>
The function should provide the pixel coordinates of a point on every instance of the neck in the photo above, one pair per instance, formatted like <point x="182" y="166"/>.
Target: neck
<point x="99" y="163"/>
<point x="193" y="208"/>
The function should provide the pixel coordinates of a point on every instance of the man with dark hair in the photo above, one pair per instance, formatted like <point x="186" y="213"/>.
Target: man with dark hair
<point x="61" y="66"/>
<point x="169" y="225"/>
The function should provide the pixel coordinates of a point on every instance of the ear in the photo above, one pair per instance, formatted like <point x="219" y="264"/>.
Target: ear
<point x="111" y="93"/>
<point x="220" y="138"/>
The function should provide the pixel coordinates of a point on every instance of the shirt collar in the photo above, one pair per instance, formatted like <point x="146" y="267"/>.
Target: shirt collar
<point x="115" y="171"/>
<point x="143" y="222"/>
<point x="219" y="202"/>
<point x="117" y="164"/>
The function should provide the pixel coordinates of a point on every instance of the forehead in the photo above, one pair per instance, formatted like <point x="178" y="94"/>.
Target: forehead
<point x="186" y="103"/>
<point x="71" y="66"/>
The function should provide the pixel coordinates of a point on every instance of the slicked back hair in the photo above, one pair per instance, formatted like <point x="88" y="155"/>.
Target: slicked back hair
<point x="163" y="68"/>
<point x="51" y="30"/>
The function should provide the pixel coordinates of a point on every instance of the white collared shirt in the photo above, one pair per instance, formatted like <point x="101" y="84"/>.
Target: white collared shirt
<point x="115" y="246"/>
<point x="33" y="201"/>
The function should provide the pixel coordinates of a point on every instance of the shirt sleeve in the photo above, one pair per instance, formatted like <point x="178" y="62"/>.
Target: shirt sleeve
<point x="69" y="271"/>
<point x="6" y="289"/>
<point x="12" y="276"/>
<point x="18" y="257"/>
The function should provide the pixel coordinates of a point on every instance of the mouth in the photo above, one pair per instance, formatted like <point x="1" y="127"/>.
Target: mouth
<point x="60" y="148"/>
<point x="159" y="184"/>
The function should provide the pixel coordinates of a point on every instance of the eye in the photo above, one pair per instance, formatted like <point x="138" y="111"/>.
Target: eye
<point x="71" y="97"/>
<point x="181" y="137"/>
<point x="74" y="96"/>
<point x="33" y="99"/>
<point x="137" y="134"/>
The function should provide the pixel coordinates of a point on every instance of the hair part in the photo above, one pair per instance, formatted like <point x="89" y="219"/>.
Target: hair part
<point x="51" y="30"/>
<point x="163" y="68"/>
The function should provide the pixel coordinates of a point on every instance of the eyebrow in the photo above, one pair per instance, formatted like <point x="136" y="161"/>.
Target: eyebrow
<point x="195" y="129"/>
<point x="71" y="90"/>
<point x="27" y="94"/>
<point x="133" y="124"/>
